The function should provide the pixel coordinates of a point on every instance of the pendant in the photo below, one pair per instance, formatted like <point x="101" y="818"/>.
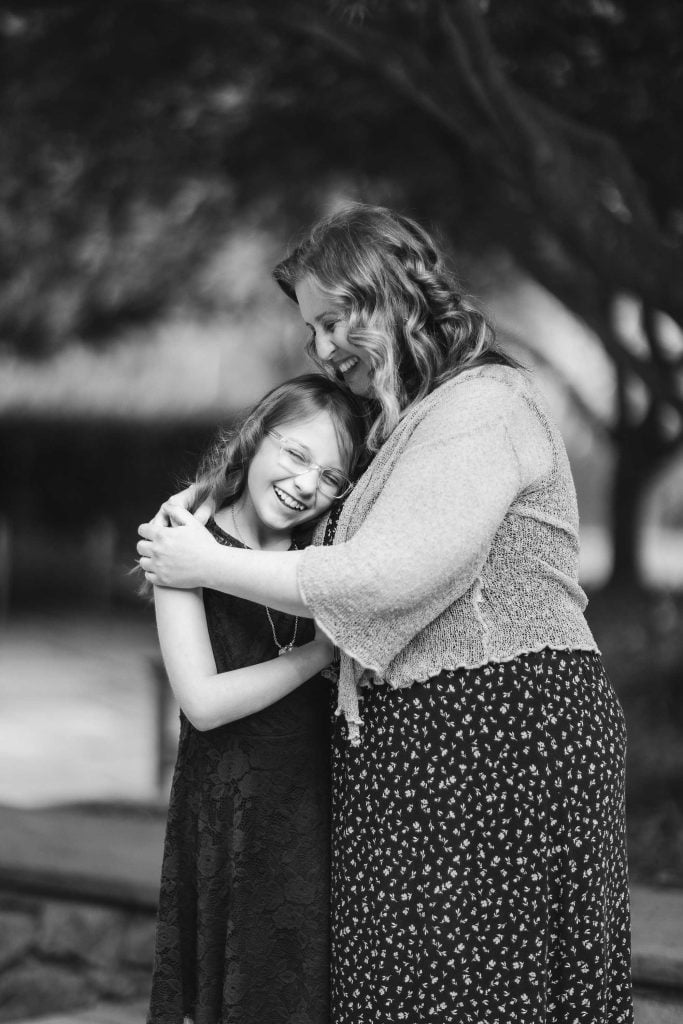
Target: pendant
<point x="285" y="650"/>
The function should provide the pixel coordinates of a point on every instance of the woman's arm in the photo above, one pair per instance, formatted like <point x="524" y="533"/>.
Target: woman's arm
<point x="211" y="698"/>
<point x="425" y="540"/>
<point x="421" y="546"/>
<point x="186" y="556"/>
<point x="184" y="499"/>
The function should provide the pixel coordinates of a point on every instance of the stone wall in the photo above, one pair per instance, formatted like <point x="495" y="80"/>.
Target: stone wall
<point x="58" y="955"/>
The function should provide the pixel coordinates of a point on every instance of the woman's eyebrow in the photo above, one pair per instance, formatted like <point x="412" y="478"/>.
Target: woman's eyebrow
<point x="321" y="316"/>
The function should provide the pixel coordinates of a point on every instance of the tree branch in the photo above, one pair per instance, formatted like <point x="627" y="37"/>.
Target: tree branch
<point x="578" y="179"/>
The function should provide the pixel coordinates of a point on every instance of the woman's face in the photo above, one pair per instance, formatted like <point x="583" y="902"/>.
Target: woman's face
<point x="282" y="492"/>
<point x="329" y="331"/>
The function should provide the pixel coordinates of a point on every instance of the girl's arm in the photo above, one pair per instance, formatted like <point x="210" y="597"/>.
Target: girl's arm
<point x="209" y="698"/>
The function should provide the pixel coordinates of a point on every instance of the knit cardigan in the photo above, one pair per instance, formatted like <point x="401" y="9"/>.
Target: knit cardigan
<point x="458" y="546"/>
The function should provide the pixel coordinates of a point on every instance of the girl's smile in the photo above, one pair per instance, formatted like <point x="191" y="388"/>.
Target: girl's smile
<point x="288" y="500"/>
<point x="279" y="498"/>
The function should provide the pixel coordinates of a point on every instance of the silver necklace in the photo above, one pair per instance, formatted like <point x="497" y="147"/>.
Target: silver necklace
<point x="281" y="648"/>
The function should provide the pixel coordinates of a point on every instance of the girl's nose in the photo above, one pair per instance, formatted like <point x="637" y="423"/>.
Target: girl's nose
<point x="307" y="482"/>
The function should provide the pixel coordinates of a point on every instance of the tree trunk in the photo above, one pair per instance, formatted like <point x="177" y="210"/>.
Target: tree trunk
<point x="641" y="451"/>
<point x="627" y="495"/>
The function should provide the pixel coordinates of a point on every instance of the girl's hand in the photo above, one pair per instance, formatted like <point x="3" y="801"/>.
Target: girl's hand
<point x="172" y="557"/>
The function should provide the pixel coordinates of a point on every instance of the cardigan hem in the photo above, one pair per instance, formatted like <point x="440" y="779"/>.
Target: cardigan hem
<point x="403" y="683"/>
<point x="354" y="722"/>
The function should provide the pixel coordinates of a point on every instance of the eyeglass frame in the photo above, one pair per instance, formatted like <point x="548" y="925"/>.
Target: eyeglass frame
<point x="310" y="464"/>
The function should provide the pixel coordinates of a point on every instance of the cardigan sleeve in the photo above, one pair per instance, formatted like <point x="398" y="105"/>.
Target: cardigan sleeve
<point x="430" y="530"/>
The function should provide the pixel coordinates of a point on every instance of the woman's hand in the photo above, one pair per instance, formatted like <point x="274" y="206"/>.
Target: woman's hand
<point x="183" y="499"/>
<point x="178" y="555"/>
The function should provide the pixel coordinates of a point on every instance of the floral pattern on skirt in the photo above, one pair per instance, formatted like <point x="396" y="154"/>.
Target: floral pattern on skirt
<point x="478" y="862"/>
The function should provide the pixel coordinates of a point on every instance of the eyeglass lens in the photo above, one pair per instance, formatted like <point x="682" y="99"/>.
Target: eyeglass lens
<point x="331" y="483"/>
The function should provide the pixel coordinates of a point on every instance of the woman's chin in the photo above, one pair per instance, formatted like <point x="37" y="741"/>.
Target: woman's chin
<point x="358" y="384"/>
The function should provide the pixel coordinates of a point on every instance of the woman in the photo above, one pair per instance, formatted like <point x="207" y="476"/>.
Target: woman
<point x="478" y="857"/>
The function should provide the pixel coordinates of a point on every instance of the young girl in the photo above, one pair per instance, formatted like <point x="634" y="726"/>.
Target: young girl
<point x="243" y="912"/>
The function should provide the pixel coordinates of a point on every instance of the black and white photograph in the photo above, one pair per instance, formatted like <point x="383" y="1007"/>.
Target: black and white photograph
<point x="341" y="512"/>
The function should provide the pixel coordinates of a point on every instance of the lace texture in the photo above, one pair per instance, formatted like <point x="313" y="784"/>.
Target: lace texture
<point x="243" y="922"/>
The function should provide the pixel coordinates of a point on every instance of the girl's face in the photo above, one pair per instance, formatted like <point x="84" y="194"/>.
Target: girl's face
<point x="330" y="329"/>
<point x="281" y="496"/>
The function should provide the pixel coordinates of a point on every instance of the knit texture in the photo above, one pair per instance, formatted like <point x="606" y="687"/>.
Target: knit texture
<point x="458" y="546"/>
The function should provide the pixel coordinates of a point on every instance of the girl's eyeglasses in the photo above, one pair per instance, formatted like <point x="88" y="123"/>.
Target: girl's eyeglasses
<point x="296" y="460"/>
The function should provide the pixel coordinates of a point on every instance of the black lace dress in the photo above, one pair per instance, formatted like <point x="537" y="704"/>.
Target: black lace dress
<point x="242" y="934"/>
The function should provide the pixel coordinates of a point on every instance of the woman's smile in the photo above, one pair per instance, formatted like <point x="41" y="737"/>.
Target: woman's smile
<point x="330" y="330"/>
<point x="347" y="364"/>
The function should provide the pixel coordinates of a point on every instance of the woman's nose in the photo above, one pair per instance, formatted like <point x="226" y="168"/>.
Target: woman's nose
<point x="324" y="345"/>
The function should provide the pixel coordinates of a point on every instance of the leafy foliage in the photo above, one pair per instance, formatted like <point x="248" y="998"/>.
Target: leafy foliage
<point x="140" y="132"/>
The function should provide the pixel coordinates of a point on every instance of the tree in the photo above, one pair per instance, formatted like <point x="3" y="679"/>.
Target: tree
<point x="565" y="198"/>
<point x="547" y="130"/>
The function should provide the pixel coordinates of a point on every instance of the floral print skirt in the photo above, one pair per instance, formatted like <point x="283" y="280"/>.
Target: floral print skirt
<point x="478" y="855"/>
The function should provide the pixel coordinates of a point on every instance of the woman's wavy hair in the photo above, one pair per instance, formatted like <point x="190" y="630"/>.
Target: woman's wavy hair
<point x="402" y="303"/>
<point x="222" y="472"/>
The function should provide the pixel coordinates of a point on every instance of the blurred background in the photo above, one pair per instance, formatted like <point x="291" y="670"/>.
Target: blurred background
<point x="157" y="159"/>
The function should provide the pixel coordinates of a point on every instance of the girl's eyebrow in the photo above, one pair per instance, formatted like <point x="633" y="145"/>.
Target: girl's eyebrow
<point x="310" y="453"/>
<point x="288" y="437"/>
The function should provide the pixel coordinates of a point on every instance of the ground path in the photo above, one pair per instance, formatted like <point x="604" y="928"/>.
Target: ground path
<point x="78" y="727"/>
